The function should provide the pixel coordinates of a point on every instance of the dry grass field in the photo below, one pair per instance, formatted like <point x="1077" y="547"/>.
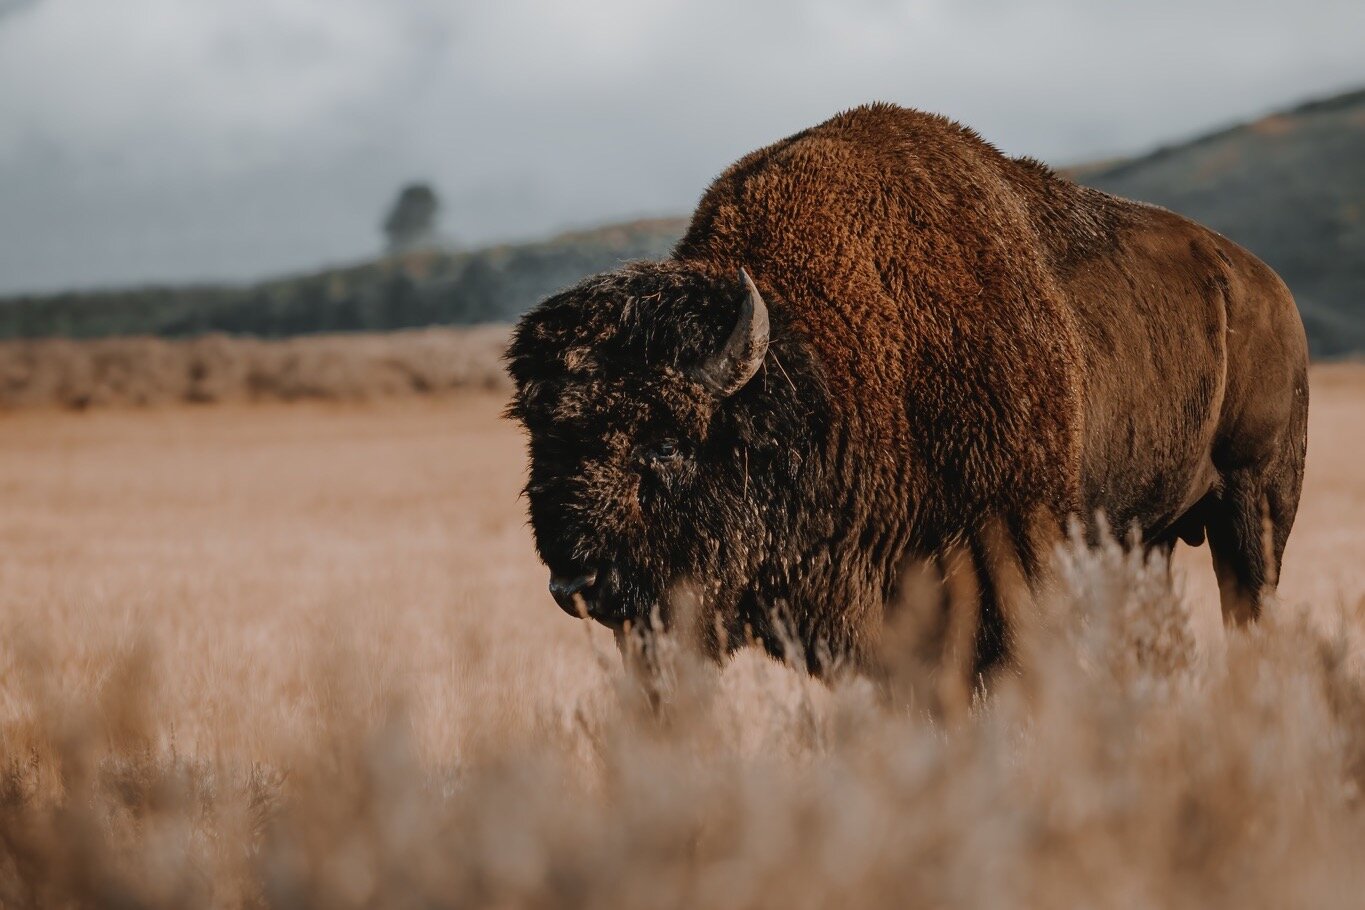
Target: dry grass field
<point x="302" y="655"/>
<point x="142" y="371"/>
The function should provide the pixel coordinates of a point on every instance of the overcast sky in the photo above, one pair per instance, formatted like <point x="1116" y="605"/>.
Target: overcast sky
<point x="167" y="140"/>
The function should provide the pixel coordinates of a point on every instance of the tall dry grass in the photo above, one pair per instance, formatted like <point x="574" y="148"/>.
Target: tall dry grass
<point x="217" y="368"/>
<point x="302" y="656"/>
<point x="1116" y="766"/>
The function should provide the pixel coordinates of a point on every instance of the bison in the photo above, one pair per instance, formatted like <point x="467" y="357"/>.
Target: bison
<point x="882" y="342"/>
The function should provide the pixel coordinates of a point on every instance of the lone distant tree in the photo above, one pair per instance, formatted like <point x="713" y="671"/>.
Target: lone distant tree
<point x="411" y="223"/>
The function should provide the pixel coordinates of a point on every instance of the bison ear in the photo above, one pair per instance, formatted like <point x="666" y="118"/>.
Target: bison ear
<point x="726" y="371"/>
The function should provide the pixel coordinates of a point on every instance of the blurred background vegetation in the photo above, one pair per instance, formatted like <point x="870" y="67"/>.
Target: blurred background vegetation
<point x="1289" y="186"/>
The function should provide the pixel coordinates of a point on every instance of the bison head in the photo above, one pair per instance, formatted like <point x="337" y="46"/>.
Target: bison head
<point x="665" y="433"/>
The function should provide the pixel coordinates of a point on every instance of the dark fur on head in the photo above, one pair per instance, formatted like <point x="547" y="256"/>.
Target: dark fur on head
<point x="604" y="377"/>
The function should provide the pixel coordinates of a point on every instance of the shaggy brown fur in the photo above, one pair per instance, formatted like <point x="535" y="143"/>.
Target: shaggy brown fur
<point x="966" y="351"/>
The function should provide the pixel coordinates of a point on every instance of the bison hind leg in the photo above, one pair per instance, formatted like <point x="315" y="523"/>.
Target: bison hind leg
<point x="1248" y="524"/>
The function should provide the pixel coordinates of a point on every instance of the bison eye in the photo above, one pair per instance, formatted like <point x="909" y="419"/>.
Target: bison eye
<point x="663" y="450"/>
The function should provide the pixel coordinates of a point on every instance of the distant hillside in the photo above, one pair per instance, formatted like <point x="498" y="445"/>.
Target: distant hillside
<point x="1290" y="187"/>
<point x="418" y="289"/>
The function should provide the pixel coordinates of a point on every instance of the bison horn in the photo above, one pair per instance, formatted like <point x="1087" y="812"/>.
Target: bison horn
<point x="726" y="371"/>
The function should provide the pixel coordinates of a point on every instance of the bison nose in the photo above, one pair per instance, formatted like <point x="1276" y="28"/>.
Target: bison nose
<point x="566" y="591"/>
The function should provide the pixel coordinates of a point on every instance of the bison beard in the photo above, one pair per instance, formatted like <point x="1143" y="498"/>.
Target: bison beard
<point x="943" y="355"/>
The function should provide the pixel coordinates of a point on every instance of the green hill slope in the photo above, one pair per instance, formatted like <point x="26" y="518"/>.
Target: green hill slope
<point x="1290" y="187"/>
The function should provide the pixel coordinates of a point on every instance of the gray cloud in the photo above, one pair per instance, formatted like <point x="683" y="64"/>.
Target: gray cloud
<point x="14" y="6"/>
<point x="159" y="140"/>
